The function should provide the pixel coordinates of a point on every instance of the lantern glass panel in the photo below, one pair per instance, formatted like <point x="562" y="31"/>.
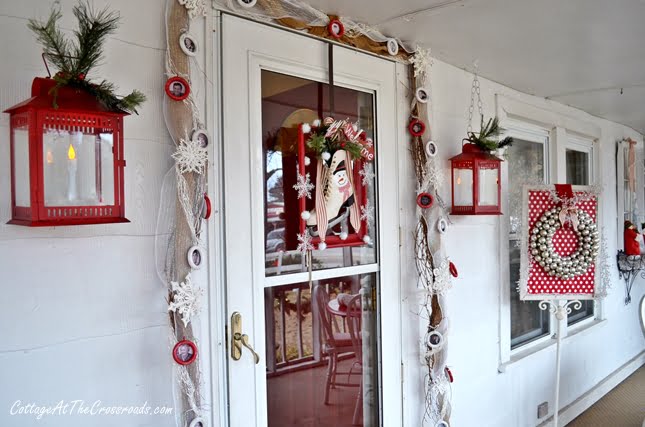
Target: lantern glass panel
<point x="463" y="187"/>
<point x="488" y="193"/>
<point x="21" y="165"/>
<point x="78" y="168"/>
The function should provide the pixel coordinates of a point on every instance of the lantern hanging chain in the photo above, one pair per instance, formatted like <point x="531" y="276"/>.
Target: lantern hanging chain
<point x="474" y="90"/>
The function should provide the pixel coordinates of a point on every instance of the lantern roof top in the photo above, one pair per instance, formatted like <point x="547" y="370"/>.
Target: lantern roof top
<point x="68" y="99"/>
<point x="473" y="152"/>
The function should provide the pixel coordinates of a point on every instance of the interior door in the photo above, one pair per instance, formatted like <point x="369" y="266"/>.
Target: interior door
<point x="273" y="80"/>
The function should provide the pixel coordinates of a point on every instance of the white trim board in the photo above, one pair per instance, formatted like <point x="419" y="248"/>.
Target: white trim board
<point x="584" y="402"/>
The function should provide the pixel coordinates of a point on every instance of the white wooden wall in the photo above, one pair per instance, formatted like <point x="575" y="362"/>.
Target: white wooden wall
<point x="84" y="315"/>
<point x="83" y="312"/>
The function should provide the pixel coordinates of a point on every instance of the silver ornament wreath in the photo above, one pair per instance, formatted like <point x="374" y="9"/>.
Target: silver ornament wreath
<point x="554" y="264"/>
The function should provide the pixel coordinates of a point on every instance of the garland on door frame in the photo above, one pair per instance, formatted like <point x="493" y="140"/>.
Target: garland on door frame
<point x="434" y="268"/>
<point x="184" y="207"/>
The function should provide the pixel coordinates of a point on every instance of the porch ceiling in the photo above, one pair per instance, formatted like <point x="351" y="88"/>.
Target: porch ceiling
<point x="577" y="52"/>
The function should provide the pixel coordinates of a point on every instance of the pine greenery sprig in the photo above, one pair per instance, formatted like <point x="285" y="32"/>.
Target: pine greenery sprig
<point x="318" y="143"/>
<point x="488" y="136"/>
<point x="75" y="59"/>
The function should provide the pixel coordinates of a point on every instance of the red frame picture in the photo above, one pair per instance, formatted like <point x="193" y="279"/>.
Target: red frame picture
<point x="206" y="212"/>
<point x="183" y="82"/>
<point x="330" y="28"/>
<point x="191" y="358"/>
<point x="412" y="127"/>
<point x="305" y="204"/>
<point x="425" y="200"/>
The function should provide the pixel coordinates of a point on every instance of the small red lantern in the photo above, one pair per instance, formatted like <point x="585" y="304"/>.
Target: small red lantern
<point x="67" y="162"/>
<point x="476" y="182"/>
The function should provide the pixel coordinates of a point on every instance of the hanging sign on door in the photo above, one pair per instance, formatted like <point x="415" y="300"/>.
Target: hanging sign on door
<point x="335" y="167"/>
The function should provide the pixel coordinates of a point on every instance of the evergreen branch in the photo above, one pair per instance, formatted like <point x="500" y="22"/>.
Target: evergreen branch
<point x="93" y="30"/>
<point x="131" y="102"/>
<point x="75" y="59"/>
<point x="488" y="136"/>
<point x="54" y="43"/>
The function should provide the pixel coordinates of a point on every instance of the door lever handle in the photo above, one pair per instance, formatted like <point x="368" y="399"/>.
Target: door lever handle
<point x="238" y="339"/>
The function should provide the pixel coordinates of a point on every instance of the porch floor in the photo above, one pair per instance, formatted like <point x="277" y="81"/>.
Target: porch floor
<point x="297" y="399"/>
<point x="624" y="406"/>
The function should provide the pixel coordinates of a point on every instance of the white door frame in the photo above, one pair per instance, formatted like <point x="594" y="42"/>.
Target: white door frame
<point x="388" y="187"/>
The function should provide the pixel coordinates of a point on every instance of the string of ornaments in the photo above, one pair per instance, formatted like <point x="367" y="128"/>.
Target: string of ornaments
<point x="435" y="271"/>
<point x="184" y="208"/>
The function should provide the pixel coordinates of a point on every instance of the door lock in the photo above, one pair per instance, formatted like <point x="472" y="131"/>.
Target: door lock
<point x="238" y="339"/>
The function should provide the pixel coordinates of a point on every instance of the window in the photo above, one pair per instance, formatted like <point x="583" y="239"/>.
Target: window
<point x="578" y="165"/>
<point x="526" y="165"/>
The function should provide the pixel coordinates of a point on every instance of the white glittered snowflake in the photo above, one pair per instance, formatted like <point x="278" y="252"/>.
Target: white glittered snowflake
<point x="441" y="275"/>
<point x="190" y="157"/>
<point x="433" y="178"/>
<point x="367" y="214"/>
<point x="194" y="7"/>
<point x="421" y="61"/>
<point x="367" y="174"/>
<point x="303" y="186"/>
<point x="304" y="243"/>
<point x="185" y="299"/>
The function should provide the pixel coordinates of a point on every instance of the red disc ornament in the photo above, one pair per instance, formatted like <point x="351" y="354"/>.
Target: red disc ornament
<point x="177" y="88"/>
<point x="453" y="270"/>
<point x="425" y="200"/>
<point x="206" y="212"/>
<point x="184" y="352"/>
<point x="449" y="374"/>
<point x="336" y="28"/>
<point x="416" y="127"/>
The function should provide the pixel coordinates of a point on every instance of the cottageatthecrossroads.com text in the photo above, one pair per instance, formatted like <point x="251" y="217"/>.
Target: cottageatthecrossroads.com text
<point x="80" y="407"/>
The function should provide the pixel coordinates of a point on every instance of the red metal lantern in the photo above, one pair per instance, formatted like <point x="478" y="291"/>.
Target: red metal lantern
<point x="66" y="162"/>
<point x="476" y="182"/>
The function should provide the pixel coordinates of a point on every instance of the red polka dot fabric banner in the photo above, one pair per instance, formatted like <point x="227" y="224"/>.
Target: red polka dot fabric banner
<point x="562" y="246"/>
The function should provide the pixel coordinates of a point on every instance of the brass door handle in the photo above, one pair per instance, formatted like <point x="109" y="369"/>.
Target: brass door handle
<point x="238" y="339"/>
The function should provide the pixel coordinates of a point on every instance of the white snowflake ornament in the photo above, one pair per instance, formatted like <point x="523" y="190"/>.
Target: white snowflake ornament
<point x="303" y="186"/>
<point x="186" y="299"/>
<point x="367" y="214"/>
<point x="304" y="243"/>
<point x="190" y="157"/>
<point x="367" y="174"/>
<point x="420" y="61"/>
<point x="194" y="7"/>
<point x="441" y="275"/>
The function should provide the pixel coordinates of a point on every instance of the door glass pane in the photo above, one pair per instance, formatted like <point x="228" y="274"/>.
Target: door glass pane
<point x="322" y="359"/>
<point x="526" y="166"/>
<point x="578" y="166"/>
<point x="349" y="196"/>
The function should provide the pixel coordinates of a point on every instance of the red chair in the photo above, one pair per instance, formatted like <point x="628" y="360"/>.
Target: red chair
<point x="335" y="343"/>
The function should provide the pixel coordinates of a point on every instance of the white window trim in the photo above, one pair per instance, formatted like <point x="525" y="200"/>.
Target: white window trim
<point x="584" y="145"/>
<point x="519" y="118"/>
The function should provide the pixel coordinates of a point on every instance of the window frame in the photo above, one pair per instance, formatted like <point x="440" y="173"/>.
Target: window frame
<point x="517" y="114"/>
<point x="540" y="135"/>
<point x="582" y="145"/>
